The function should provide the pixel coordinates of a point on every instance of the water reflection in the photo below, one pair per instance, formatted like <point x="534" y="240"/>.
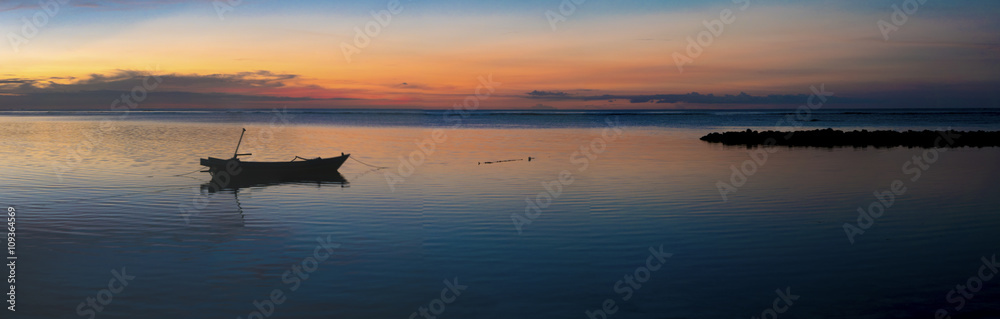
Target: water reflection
<point x="239" y="181"/>
<point x="127" y="204"/>
<point x="242" y="182"/>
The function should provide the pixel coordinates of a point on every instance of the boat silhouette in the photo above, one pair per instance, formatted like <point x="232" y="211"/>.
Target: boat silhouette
<point x="234" y="173"/>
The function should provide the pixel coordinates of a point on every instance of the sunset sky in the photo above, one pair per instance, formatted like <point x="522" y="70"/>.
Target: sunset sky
<point x="604" y="55"/>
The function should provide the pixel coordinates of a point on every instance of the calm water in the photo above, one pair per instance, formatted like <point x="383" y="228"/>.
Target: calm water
<point x="92" y="199"/>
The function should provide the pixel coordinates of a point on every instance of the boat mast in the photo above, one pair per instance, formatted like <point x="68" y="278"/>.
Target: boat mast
<point x="237" y="152"/>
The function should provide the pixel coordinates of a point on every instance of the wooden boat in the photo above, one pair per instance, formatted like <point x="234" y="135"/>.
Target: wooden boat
<point x="315" y="165"/>
<point x="297" y="169"/>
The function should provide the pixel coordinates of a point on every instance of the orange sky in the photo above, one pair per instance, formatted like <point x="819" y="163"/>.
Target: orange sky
<point x="766" y="50"/>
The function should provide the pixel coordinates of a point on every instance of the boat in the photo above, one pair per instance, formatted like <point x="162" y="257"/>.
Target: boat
<point x="234" y="170"/>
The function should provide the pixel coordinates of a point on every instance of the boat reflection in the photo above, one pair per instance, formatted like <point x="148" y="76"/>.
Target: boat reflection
<point x="245" y="180"/>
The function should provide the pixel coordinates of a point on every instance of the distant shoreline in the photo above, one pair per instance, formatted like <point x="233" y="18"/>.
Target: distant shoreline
<point x="859" y="139"/>
<point x="703" y="121"/>
<point x="781" y="110"/>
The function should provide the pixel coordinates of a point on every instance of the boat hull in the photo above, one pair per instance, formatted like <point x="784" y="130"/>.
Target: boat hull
<point x="236" y="171"/>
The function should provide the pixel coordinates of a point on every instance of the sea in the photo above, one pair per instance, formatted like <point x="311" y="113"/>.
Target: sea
<point x="496" y="214"/>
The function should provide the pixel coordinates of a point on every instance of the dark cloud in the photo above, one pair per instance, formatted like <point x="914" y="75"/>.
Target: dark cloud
<point x="99" y="91"/>
<point x="105" y="100"/>
<point x="693" y="97"/>
<point x="409" y="86"/>
<point x="127" y="79"/>
<point x="935" y="96"/>
<point x="537" y="93"/>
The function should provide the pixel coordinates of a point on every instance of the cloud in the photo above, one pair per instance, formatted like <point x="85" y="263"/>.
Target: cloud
<point x="925" y="96"/>
<point x="409" y="86"/>
<point x="18" y="6"/>
<point x="126" y="79"/>
<point x="98" y="91"/>
<point x="693" y="97"/>
<point x="537" y="93"/>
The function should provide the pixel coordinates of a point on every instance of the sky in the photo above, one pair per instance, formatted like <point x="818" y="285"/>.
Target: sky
<point x="547" y="54"/>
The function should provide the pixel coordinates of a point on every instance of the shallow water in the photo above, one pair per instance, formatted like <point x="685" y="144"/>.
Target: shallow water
<point x="120" y="204"/>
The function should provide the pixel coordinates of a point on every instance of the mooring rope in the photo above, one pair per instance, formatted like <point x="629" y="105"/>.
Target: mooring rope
<point x="355" y="177"/>
<point x="366" y="164"/>
<point x="162" y="188"/>
<point x="504" y="161"/>
<point x="189" y="173"/>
